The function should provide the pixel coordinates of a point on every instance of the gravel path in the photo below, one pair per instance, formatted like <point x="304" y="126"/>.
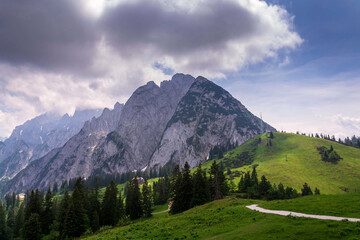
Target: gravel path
<point x="295" y="214"/>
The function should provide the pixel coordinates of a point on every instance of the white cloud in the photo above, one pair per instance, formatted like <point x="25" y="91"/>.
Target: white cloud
<point x="124" y="40"/>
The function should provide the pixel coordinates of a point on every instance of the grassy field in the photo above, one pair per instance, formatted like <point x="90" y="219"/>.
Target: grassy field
<point x="344" y="205"/>
<point x="294" y="159"/>
<point x="230" y="219"/>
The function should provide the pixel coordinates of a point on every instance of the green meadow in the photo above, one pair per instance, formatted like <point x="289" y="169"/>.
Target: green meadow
<point x="230" y="219"/>
<point x="294" y="159"/>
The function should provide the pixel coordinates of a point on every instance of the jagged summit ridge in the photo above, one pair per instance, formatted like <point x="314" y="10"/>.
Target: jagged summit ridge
<point x="179" y="120"/>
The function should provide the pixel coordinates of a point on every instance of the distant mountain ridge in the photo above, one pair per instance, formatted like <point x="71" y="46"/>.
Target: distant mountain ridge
<point x="180" y="120"/>
<point x="36" y="137"/>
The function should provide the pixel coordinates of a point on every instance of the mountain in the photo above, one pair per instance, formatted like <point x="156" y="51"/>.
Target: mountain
<point x="70" y="160"/>
<point x="206" y="116"/>
<point x="183" y="118"/>
<point x="294" y="159"/>
<point x="36" y="137"/>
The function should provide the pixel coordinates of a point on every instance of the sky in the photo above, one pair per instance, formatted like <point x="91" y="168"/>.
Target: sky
<point x="295" y="63"/>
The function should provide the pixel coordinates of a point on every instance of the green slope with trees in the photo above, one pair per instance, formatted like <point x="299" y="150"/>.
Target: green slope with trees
<point x="293" y="159"/>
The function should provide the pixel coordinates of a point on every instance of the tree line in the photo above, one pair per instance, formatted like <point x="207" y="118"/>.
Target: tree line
<point x="353" y="141"/>
<point x="251" y="187"/>
<point x="81" y="212"/>
<point x="85" y="211"/>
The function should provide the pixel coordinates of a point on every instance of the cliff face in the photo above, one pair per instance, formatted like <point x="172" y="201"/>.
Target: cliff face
<point x="143" y="121"/>
<point x="205" y="117"/>
<point x="180" y="120"/>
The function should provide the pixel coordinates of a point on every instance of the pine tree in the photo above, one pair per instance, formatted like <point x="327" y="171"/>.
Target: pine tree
<point x="3" y="227"/>
<point x="264" y="186"/>
<point x="47" y="216"/>
<point x="281" y="191"/>
<point x="19" y="221"/>
<point x="317" y="191"/>
<point x="176" y="180"/>
<point x="34" y="204"/>
<point x="63" y="213"/>
<point x="186" y="188"/>
<point x="218" y="182"/>
<point x="147" y="199"/>
<point x="32" y="228"/>
<point x="201" y="191"/>
<point x="108" y="206"/>
<point x="241" y="185"/>
<point x="11" y="219"/>
<point x="94" y="207"/>
<point x="55" y="188"/>
<point x="306" y="190"/>
<point x="254" y="177"/>
<point x="133" y="200"/>
<point x="120" y="208"/>
<point x="77" y="214"/>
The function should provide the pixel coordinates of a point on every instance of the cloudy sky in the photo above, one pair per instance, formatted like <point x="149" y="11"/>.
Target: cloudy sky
<point x="296" y="62"/>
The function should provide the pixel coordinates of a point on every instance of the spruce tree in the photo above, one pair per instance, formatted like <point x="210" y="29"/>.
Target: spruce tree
<point x="281" y="191"/>
<point x="218" y="182"/>
<point x="34" y="204"/>
<point x="63" y="213"/>
<point x="306" y="190"/>
<point x="176" y="179"/>
<point x="264" y="186"/>
<point x="19" y="221"/>
<point x="147" y="199"/>
<point x="47" y="216"/>
<point x="241" y="185"/>
<point x="201" y="191"/>
<point x="3" y="227"/>
<point x="133" y="200"/>
<point x="254" y="177"/>
<point x="94" y="208"/>
<point x="120" y="208"/>
<point x="11" y="218"/>
<point x="186" y="188"/>
<point x="55" y="188"/>
<point x="108" y="206"/>
<point x="32" y="228"/>
<point x="77" y="210"/>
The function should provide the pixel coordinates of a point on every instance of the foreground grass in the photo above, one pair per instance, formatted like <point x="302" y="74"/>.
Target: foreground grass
<point x="345" y="205"/>
<point x="230" y="219"/>
<point x="294" y="159"/>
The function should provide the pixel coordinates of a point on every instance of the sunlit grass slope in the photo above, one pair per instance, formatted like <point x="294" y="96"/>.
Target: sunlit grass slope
<point x="294" y="159"/>
<point x="341" y="205"/>
<point x="230" y="219"/>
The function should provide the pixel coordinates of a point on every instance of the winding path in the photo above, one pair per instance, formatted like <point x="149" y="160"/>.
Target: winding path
<point x="295" y="214"/>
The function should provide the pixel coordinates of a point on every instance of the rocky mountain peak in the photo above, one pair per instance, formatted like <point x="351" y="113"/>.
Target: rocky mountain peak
<point x="180" y="120"/>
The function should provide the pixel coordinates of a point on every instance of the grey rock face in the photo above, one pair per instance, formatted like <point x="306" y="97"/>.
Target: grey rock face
<point x="178" y="121"/>
<point x="205" y="117"/>
<point x="71" y="160"/>
<point x="37" y="137"/>
<point x="144" y="119"/>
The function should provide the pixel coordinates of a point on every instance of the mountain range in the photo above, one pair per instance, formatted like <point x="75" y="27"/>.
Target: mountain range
<point x="36" y="137"/>
<point x="180" y="120"/>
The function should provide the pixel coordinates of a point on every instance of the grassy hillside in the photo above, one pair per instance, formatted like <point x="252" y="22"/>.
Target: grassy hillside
<point x="341" y="205"/>
<point x="294" y="159"/>
<point x="230" y="219"/>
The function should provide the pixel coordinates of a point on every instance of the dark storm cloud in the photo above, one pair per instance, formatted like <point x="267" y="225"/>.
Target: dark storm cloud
<point x="51" y="34"/>
<point x="145" y="23"/>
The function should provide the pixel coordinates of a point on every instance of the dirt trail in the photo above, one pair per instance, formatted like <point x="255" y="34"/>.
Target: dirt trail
<point x="295" y="214"/>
